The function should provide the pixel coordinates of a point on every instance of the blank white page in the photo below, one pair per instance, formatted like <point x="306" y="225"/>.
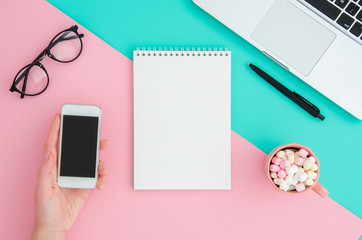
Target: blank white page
<point x="182" y="125"/>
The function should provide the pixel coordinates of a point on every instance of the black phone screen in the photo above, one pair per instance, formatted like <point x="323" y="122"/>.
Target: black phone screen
<point x="79" y="146"/>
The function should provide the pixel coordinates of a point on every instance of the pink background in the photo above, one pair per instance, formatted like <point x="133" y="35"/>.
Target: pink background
<point x="103" y="76"/>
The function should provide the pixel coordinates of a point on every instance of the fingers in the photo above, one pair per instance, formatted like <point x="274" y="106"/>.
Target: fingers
<point x="52" y="139"/>
<point x="102" y="172"/>
<point x="104" y="144"/>
<point x="100" y="183"/>
<point x="102" y="169"/>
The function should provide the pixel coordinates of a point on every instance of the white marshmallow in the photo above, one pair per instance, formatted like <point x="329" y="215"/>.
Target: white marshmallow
<point x="290" y="157"/>
<point x="314" y="167"/>
<point x="308" y="182"/>
<point x="312" y="175"/>
<point x="278" y="181"/>
<point x="311" y="159"/>
<point x="284" y="186"/>
<point x="288" y="180"/>
<point x="295" y="180"/>
<point x="291" y="188"/>
<point x="290" y="171"/>
<point x="280" y="154"/>
<point x="300" y="170"/>
<point x="308" y="163"/>
<point x="288" y="151"/>
<point x="274" y="175"/>
<point x="302" y="177"/>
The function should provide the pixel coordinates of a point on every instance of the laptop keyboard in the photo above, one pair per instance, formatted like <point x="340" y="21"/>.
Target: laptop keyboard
<point x="345" y="14"/>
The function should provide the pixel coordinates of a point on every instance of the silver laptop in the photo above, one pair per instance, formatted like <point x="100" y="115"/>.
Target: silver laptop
<point x="320" y="41"/>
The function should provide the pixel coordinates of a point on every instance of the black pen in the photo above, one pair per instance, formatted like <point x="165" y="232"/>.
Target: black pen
<point x="295" y="97"/>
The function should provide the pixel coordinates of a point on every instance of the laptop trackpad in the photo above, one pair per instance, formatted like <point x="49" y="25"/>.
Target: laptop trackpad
<point x="293" y="36"/>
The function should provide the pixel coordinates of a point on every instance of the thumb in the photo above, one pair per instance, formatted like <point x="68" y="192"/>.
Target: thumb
<point x="45" y="172"/>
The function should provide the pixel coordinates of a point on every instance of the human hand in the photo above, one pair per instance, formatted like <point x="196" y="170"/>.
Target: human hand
<point x="57" y="208"/>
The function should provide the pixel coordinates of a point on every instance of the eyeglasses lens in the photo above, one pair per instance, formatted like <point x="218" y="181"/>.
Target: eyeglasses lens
<point x="66" y="46"/>
<point x="36" y="80"/>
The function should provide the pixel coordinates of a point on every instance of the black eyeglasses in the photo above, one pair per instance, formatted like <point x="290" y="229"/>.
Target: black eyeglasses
<point x="33" y="79"/>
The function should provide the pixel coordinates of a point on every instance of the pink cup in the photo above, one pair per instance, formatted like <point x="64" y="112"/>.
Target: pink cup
<point x="317" y="187"/>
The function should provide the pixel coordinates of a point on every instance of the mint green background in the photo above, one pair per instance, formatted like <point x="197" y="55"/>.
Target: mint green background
<point x="260" y="114"/>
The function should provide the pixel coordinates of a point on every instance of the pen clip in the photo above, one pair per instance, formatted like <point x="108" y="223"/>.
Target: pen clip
<point x="305" y="100"/>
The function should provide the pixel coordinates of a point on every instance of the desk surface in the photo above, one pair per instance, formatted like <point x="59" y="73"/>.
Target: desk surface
<point x="103" y="76"/>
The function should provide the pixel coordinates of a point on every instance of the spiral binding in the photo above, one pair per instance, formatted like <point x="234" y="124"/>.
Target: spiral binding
<point x="175" y="52"/>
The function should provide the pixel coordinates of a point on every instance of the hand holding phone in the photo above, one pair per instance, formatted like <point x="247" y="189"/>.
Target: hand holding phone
<point x="56" y="208"/>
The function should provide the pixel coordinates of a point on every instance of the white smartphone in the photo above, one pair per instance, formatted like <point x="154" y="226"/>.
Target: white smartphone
<point x="79" y="146"/>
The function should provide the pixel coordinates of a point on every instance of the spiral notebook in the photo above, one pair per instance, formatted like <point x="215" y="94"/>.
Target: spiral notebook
<point x="182" y="129"/>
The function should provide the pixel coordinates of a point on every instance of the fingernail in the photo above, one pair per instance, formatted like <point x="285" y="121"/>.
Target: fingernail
<point x="101" y="185"/>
